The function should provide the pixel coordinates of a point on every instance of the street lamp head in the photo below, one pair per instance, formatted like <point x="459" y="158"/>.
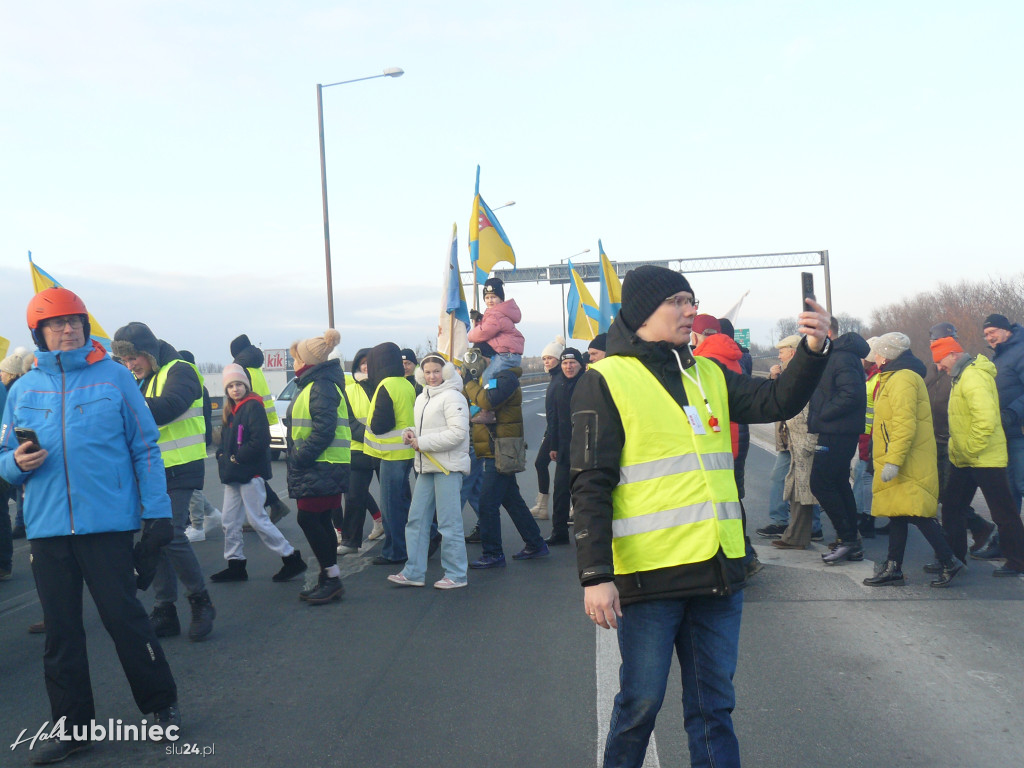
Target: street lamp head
<point x="394" y="71"/>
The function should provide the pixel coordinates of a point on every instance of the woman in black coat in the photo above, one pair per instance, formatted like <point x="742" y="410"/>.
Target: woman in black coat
<point x="243" y="460"/>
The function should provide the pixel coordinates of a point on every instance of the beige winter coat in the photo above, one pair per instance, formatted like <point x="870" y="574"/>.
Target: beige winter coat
<point x="801" y="454"/>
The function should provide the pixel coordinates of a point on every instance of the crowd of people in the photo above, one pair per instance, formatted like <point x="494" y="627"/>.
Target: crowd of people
<point x="647" y="429"/>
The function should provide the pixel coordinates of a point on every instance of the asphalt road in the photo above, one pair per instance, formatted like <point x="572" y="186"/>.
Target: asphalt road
<point x="508" y="672"/>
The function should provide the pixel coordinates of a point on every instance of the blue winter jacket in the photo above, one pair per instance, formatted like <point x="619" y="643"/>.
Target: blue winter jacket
<point x="104" y="471"/>
<point x="1009" y="360"/>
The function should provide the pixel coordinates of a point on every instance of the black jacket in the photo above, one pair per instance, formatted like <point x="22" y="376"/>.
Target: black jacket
<point x="560" y="428"/>
<point x="181" y="389"/>
<point x="307" y="477"/>
<point x="1009" y="360"/>
<point x="384" y="362"/>
<point x="597" y="442"/>
<point x="549" y="399"/>
<point x="840" y="403"/>
<point x="246" y="437"/>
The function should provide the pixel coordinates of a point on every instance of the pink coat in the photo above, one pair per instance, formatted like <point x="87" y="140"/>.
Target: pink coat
<point x="498" y="328"/>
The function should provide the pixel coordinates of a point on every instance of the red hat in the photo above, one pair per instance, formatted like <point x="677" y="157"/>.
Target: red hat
<point x="942" y="348"/>
<point x="703" y="323"/>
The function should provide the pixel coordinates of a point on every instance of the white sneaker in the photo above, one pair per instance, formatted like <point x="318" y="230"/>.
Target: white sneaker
<point x="377" y="532"/>
<point x="212" y="521"/>
<point x="194" y="535"/>
<point x="402" y="581"/>
<point x="344" y="549"/>
<point x="447" y="583"/>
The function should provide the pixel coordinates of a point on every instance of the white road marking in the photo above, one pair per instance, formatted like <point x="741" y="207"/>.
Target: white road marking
<point x="608" y="661"/>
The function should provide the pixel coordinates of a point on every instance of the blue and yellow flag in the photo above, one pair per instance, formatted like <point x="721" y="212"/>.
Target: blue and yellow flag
<point x="611" y="291"/>
<point x="488" y="243"/>
<point x="41" y="280"/>
<point x="454" y="322"/>
<point x="583" y="310"/>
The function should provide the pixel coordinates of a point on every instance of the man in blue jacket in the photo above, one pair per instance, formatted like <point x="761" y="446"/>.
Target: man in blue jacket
<point x="1007" y="339"/>
<point x="92" y="478"/>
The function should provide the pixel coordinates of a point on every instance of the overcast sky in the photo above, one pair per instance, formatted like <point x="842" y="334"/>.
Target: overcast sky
<point x="161" y="158"/>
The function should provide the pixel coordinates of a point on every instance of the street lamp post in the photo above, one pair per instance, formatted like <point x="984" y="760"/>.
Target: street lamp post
<point x="389" y="72"/>
<point x="565" y="329"/>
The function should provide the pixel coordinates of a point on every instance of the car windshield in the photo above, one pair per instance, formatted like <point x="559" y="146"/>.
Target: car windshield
<point x="289" y="391"/>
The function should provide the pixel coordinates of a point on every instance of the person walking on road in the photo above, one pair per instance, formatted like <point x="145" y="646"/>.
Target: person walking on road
<point x="1007" y="339"/>
<point x="203" y="516"/>
<point x="659" y="537"/>
<point x="441" y="441"/>
<point x="778" y="507"/>
<point x="977" y="450"/>
<point x="797" y="484"/>
<point x="173" y="390"/>
<point x="905" y="487"/>
<point x="358" y="499"/>
<point x="319" y="455"/>
<point x="550" y="357"/>
<point x="80" y="524"/>
<point x="560" y="438"/>
<point x="243" y="460"/>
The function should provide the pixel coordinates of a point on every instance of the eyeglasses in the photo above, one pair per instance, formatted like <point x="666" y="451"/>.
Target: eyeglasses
<point x="679" y="302"/>
<point x="58" y="323"/>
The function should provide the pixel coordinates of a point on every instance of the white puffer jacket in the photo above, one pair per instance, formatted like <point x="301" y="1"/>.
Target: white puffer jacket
<point x="442" y="423"/>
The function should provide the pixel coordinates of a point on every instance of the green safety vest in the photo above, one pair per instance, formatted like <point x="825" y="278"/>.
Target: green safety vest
<point x="338" y="452"/>
<point x="261" y="388"/>
<point x="389" y="446"/>
<point x="360" y="406"/>
<point x="184" y="439"/>
<point x="870" y="419"/>
<point x="676" y="501"/>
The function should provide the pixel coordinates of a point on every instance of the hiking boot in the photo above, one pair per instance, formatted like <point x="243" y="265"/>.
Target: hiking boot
<point x="532" y="553"/>
<point x="55" y="750"/>
<point x="990" y="550"/>
<point x="773" y="531"/>
<point x="330" y="589"/>
<point x="887" y="574"/>
<point x="488" y="561"/>
<point x="949" y="570"/>
<point x="540" y="509"/>
<point x="474" y="535"/>
<point x="377" y="532"/>
<point x="164" y="620"/>
<point x="293" y="566"/>
<point x="167" y="717"/>
<point x="203" y="614"/>
<point x="234" y="572"/>
<point x="304" y="594"/>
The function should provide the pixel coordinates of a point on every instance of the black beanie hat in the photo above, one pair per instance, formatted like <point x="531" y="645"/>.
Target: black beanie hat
<point x="727" y="327"/>
<point x="644" y="289"/>
<point x="495" y="286"/>
<point x="238" y="344"/>
<point x="997" y="321"/>
<point x="599" y="342"/>
<point x="409" y="355"/>
<point x="571" y="353"/>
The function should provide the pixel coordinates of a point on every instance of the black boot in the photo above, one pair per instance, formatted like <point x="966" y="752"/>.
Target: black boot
<point x="330" y="589"/>
<point x="950" y="569"/>
<point x="164" y="620"/>
<point x="234" y="572"/>
<point x="293" y="566"/>
<point x="888" y="574"/>
<point x="867" y="526"/>
<point x="203" y="614"/>
<point x="304" y="594"/>
<point x="474" y="535"/>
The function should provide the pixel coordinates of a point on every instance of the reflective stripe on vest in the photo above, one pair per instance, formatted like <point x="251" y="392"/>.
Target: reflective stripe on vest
<point x="389" y="446"/>
<point x="871" y="404"/>
<point x="676" y="501"/>
<point x="360" y="405"/>
<point x="338" y="451"/>
<point x="261" y="388"/>
<point x="184" y="439"/>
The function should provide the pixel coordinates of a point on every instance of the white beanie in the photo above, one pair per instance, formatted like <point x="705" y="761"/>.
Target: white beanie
<point x="555" y="348"/>
<point x="892" y="345"/>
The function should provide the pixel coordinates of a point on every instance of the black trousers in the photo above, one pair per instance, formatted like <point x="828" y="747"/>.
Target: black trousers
<point x="830" y="482"/>
<point x="995" y="487"/>
<point x="103" y="561"/>
<point x="541" y="463"/>
<point x="560" y="501"/>
<point x="976" y="524"/>
<point x="320" y="534"/>
<point x="929" y="528"/>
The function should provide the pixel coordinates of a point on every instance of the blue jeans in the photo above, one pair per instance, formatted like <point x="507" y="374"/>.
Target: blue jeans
<point x="862" y="486"/>
<point x="436" y="490"/>
<point x="394" y="506"/>
<point x="705" y="633"/>
<point x="778" y="508"/>
<point x="472" y="484"/>
<point x="503" y="490"/>
<point x="1015" y="469"/>
<point x="502" y="361"/>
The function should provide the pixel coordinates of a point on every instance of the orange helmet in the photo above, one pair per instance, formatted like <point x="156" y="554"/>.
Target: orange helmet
<point x="54" y="302"/>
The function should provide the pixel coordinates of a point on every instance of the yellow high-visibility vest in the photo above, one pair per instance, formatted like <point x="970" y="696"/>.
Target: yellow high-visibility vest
<point x="676" y="501"/>
<point x="870" y="420"/>
<point x="360" y="403"/>
<point x="338" y="452"/>
<point x="261" y="388"/>
<point x="389" y="446"/>
<point x="184" y="439"/>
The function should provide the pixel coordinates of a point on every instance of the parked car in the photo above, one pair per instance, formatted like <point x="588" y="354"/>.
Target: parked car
<point x="278" y="432"/>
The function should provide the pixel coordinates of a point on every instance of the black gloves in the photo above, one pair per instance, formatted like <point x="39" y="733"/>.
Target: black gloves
<point x="475" y="316"/>
<point x="155" y="534"/>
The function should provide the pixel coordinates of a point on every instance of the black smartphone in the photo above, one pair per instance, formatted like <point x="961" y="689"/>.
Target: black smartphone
<point x="25" y="435"/>
<point x="807" y="287"/>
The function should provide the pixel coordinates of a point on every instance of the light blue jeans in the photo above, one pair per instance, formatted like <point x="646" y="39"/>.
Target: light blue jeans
<point x="502" y="361"/>
<point x="436" y="490"/>
<point x="862" y="486"/>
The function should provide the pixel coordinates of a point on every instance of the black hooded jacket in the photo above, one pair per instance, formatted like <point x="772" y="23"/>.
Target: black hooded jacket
<point x="246" y="354"/>
<point x="559" y="432"/>
<point x="246" y="437"/>
<point x="307" y="477"/>
<point x="384" y="361"/>
<point x="597" y="441"/>
<point x="840" y="403"/>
